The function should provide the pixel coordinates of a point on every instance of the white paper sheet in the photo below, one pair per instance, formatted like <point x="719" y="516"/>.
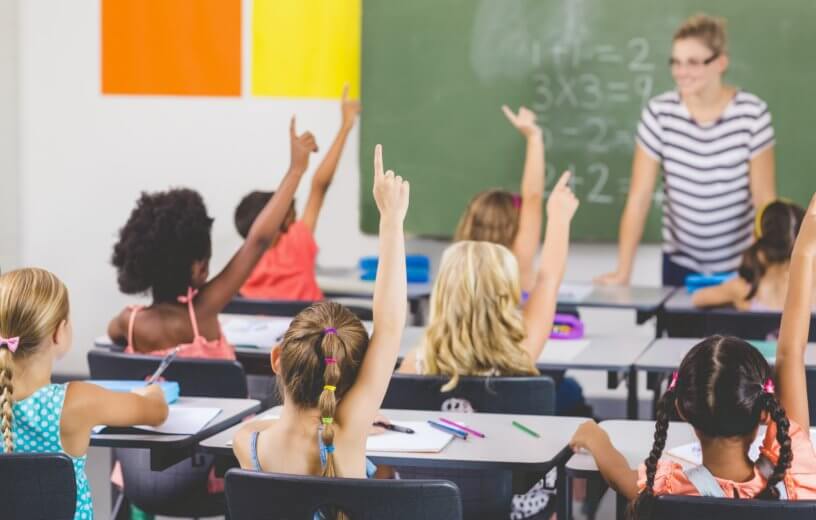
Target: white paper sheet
<point x="265" y="332"/>
<point x="184" y="420"/>
<point x="562" y="350"/>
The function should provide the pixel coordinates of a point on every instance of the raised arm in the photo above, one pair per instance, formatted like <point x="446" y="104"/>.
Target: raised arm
<point x="644" y="177"/>
<point x="220" y="290"/>
<point x="532" y="194"/>
<point x="793" y="334"/>
<point x="359" y="406"/>
<point x="540" y="309"/>
<point x="325" y="172"/>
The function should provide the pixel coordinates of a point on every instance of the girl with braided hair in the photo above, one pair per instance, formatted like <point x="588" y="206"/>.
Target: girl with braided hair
<point x="39" y="416"/>
<point x="724" y="389"/>
<point x="332" y="378"/>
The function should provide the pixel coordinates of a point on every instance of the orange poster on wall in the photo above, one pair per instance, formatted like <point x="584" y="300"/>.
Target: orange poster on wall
<point x="171" y="47"/>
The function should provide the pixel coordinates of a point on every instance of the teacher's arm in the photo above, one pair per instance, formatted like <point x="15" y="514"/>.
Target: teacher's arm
<point x="763" y="177"/>
<point x="644" y="176"/>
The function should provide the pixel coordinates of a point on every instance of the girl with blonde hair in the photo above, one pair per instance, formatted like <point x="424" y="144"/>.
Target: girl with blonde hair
<point x="476" y="324"/>
<point x="37" y="415"/>
<point x="333" y="378"/>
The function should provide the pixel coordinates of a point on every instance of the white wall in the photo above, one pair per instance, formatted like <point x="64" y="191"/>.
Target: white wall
<point x="9" y="132"/>
<point x="84" y="158"/>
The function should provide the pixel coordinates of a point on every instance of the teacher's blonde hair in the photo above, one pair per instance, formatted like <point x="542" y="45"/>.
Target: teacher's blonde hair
<point x="708" y="29"/>
<point x="475" y="324"/>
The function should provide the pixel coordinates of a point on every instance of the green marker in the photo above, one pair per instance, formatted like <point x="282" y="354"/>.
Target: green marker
<point x="525" y="429"/>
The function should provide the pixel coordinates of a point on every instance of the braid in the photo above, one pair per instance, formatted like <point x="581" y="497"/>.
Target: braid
<point x="642" y="506"/>
<point x="6" y="391"/>
<point x="778" y="415"/>
<point x="327" y="402"/>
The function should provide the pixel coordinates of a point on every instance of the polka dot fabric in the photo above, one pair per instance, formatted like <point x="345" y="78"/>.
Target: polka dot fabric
<point x="36" y="429"/>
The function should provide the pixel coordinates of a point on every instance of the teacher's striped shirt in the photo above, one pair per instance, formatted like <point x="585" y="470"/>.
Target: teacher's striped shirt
<point x="707" y="208"/>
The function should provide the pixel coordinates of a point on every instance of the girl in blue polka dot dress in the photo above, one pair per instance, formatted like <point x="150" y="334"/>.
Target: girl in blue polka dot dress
<point x="37" y="416"/>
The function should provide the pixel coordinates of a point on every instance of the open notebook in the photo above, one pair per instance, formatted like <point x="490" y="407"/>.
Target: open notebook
<point x="182" y="420"/>
<point x="425" y="439"/>
<point x="255" y="333"/>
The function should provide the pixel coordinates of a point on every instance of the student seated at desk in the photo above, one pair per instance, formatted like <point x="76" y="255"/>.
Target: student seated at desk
<point x="509" y="219"/>
<point x="762" y="280"/>
<point x="38" y="416"/>
<point x="333" y="379"/>
<point x="724" y="389"/>
<point x="286" y="271"/>
<point x="165" y="248"/>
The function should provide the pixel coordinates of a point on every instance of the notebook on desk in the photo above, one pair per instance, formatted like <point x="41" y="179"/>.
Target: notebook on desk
<point x="181" y="420"/>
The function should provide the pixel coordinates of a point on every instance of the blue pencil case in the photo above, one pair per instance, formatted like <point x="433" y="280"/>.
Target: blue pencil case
<point x="698" y="281"/>
<point x="414" y="275"/>
<point x="170" y="388"/>
<point x="417" y="262"/>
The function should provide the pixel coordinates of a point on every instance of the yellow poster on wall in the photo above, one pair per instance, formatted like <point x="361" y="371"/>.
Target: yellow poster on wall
<point x="306" y="48"/>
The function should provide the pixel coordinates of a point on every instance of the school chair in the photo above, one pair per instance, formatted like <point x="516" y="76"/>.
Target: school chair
<point x="253" y="495"/>
<point x="531" y="395"/>
<point x="181" y="490"/>
<point x="260" y="307"/>
<point x="37" y="486"/>
<point x="674" y="507"/>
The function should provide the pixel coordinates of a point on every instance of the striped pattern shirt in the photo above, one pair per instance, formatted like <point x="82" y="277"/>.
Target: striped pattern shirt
<point x="707" y="208"/>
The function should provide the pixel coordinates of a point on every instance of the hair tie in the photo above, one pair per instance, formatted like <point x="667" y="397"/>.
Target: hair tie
<point x="329" y="330"/>
<point x="11" y="343"/>
<point x="330" y="360"/>
<point x="768" y="387"/>
<point x="517" y="201"/>
<point x="329" y="448"/>
<point x="327" y="420"/>
<point x="673" y="383"/>
<point x="329" y="388"/>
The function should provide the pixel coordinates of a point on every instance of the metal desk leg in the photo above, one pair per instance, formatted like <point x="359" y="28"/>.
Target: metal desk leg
<point x="632" y="404"/>
<point x="563" y="495"/>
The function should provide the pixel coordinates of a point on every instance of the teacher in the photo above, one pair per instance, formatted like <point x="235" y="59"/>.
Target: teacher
<point x="715" y="145"/>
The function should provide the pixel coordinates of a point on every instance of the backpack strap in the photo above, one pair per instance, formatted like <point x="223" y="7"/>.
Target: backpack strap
<point x="704" y="481"/>
<point x="766" y="468"/>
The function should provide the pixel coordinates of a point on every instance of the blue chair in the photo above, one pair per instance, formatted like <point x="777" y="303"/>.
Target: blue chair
<point x="180" y="490"/>
<point x="37" y="486"/>
<point x="253" y="495"/>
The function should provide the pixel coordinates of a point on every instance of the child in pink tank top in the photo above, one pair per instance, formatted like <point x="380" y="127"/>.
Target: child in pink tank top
<point x="286" y="271"/>
<point x="164" y="248"/>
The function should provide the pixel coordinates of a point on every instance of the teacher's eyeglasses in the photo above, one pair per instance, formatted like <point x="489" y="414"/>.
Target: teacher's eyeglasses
<point x="693" y="64"/>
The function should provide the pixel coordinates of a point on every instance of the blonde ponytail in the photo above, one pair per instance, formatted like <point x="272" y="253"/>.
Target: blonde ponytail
<point x="327" y="403"/>
<point x="6" y="392"/>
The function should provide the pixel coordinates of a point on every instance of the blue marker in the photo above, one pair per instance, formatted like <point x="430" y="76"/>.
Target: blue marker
<point x="447" y="429"/>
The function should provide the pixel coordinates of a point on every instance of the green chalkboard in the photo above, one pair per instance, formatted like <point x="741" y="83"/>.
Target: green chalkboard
<point x="435" y="73"/>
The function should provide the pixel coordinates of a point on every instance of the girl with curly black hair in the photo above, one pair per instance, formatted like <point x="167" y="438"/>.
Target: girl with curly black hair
<point x="724" y="389"/>
<point x="165" y="249"/>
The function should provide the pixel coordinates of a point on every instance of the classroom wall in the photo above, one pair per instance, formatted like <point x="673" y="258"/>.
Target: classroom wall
<point x="9" y="132"/>
<point x="84" y="158"/>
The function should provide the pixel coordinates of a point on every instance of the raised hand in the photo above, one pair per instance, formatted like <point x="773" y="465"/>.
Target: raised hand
<point x="562" y="203"/>
<point x="391" y="192"/>
<point x="806" y="240"/>
<point x="301" y="146"/>
<point x="524" y="121"/>
<point x="349" y="108"/>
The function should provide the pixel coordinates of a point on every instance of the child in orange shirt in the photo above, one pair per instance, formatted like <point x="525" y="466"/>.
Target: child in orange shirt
<point x="724" y="390"/>
<point x="287" y="269"/>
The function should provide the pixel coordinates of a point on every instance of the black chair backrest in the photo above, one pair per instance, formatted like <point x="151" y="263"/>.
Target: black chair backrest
<point x="37" y="486"/>
<point x="196" y="377"/>
<point x="253" y="495"/>
<point x="254" y="306"/>
<point x="673" y="507"/>
<point x="534" y="395"/>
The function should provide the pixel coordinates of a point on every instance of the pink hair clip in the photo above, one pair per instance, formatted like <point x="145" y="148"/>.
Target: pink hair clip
<point x="517" y="201"/>
<point x="673" y="383"/>
<point x="11" y="343"/>
<point x="329" y="330"/>
<point x="769" y="387"/>
<point x="330" y="361"/>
